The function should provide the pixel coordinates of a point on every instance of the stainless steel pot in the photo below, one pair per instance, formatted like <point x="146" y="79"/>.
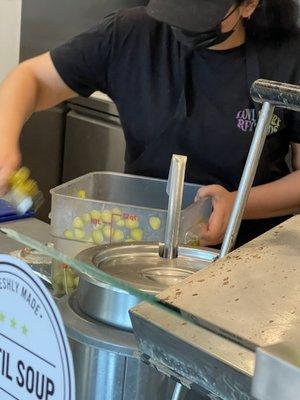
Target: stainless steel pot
<point x="139" y="265"/>
<point x="107" y="366"/>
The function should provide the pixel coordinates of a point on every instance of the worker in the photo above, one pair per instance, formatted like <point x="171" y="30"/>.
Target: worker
<point x="180" y="73"/>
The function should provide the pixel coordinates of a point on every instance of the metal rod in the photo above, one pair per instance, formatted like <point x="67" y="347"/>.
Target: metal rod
<point x="175" y="190"/>
<point x="279" y="94"/>
<point x="247" y="179"/>
<point x="179" y="391"/>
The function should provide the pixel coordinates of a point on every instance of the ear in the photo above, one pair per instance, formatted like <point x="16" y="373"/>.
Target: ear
<point x="248" y="8"/>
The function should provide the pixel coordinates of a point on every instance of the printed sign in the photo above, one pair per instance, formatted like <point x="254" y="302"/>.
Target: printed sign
<point x="35" y="358"/>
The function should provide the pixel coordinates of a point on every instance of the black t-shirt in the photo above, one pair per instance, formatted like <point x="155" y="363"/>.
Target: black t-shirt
<point x="173" y="100"/>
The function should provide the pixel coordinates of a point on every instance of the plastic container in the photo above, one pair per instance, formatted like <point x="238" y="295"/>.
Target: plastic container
<point x="107" y="207"/>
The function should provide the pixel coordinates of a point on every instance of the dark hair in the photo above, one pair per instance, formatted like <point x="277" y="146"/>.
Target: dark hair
<point x="275" y="20"/>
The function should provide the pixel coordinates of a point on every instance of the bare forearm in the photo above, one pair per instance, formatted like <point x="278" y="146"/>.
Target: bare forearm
<point x="278" y="198"/>
<point x="32" y="86"/>
<point x="18" y="98"/>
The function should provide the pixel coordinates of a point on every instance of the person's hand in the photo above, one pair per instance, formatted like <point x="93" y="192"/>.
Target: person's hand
<point x="10" y="159"/>
<point x="222" y="201"/>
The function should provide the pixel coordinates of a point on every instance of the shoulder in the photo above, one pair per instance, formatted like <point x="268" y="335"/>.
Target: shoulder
<point x="136" y="20"/>
<point x="280" y="59"/>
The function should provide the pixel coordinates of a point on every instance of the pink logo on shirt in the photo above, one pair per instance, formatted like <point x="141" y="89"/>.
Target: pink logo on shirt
<point x="247" y="121"/>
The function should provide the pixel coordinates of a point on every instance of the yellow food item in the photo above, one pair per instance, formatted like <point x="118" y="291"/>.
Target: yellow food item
<point x="81" y="194"/>
<point x="69" y="282"/>
<point x="132" y="223"/>
<point x="30" y="187"/>
<point x="106" y="216"/>
<point x="192" y="239"/>
<point x="137" y="234"/>
<point x="121" y="223"/>
<point x="76" y="282"/>
<point x="98" y="237"/>
<point x="64" y="280"/>
<point x="78" y="223"/>
<point x="155" y="223"/>
<point x="68" y="234"/>
<point x="86" y="218"/>
<point x="118" y="236"/>
<point x="20" y="176"/>
<point x="108" y="232"/>
<point x="79" y="234"/>
<point x="95" y="214"/>
<point x="116" y="214"/>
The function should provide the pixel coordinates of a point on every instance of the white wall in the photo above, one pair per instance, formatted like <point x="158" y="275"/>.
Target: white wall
<point x="10" y="26"/>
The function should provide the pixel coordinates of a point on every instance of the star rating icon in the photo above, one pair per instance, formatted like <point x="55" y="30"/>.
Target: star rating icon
<point x="13" y="323"/>
<point x="24" y="330"/>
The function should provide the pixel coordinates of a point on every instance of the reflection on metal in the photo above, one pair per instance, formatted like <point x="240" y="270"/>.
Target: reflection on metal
<point x="179" y="392"/>
<point x="194" y="356"/>
<point x="138" y="264"/>
<point x="282" y="95"/>
<point x="175" y="191"/>
<point x="249" y="299"/>
<point x="277" y="372"/>
<point x="106" y="364"/>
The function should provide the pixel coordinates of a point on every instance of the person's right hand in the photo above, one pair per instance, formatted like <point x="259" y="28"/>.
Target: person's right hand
<point x="10" y="159"/>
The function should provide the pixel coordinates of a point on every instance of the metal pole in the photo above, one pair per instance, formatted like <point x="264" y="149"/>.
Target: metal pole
<point x="247" y="179"/>
<point x="179" y="391"/>
<point x="175" y="191"/>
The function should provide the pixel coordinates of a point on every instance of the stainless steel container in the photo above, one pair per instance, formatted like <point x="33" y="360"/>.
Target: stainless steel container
<point x="139" y="265"/>
<point x="106" y="362"/>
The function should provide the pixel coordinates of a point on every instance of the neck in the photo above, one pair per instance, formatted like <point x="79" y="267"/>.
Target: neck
<point x="236" y="39"/>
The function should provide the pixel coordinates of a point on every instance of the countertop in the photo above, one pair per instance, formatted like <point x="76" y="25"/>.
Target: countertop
<point x="252" y="294"/>
<point x="32" y="227"/>
<point x="40" y="231"/>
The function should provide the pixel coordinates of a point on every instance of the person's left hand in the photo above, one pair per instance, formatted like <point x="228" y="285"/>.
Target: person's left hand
<point x="222" y="201"/>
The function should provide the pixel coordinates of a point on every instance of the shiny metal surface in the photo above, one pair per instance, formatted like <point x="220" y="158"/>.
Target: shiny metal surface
<point x="247" y="179"/>
<point x="179" y="392"/>
<point x="106" y="366"/>
<point x="138" y="264"/>
<point x="175" y="191"/>
<point x="279" y="94"/>
<point x="32" y="227"/>
<point x="193" y="355"/>
<point x="249" y="299"/>
<point x="253" y="294"/>
<point x="277" y="372"/>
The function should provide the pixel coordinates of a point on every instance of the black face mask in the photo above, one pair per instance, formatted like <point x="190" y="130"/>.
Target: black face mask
<point x="201" y="40"/>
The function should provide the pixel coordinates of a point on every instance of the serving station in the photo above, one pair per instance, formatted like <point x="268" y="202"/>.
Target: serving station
<point x="216" y="324"/>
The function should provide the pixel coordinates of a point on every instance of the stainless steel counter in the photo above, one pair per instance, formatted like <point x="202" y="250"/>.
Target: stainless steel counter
<point x="32" y="227"/>
<point x="247" y="301"/>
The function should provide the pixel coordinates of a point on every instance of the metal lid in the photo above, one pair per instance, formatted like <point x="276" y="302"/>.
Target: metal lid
<point x="141" y="265"/>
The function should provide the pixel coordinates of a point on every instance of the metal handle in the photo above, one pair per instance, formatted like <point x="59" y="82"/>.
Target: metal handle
<point x="279" y="94"/>
<point x="175" y="190"/>
<point x="271" y="94"/>
<point x="247" y="179"/>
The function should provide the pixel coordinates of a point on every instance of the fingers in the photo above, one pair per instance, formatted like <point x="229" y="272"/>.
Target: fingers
<point x="5" y="174"/>
<point x="8" y="165"/>
<point x="222" y="201"/>
<point x="208" y="191"/>
<point x="213" y="233"/>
